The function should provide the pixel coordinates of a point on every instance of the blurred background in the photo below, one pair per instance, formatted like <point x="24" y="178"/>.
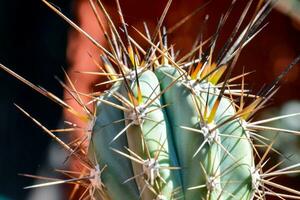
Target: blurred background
<point x="36" y="43"/>
<point x="32" y="43"/>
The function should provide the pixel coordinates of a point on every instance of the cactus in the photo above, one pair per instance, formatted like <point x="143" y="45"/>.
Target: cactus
<point x="169" y="129"/>
<point x="172" y="135"/>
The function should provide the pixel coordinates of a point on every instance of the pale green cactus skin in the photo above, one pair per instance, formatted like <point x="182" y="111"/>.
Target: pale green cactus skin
<point x="222" y="169"/>
<point x="103" y="132"/>
<point x="182" y="112"/>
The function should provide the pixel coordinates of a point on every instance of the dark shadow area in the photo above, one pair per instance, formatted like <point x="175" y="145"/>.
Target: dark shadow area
<point x="33" y="44"/>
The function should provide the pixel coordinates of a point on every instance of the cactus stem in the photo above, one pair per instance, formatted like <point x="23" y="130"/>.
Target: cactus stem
<point x="150" y="101"/>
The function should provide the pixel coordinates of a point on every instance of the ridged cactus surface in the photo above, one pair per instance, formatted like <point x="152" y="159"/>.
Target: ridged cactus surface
<point x="157" y="121"/>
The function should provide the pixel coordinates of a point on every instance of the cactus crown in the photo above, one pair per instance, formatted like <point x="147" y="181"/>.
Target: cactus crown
<point x="170" y="128"/>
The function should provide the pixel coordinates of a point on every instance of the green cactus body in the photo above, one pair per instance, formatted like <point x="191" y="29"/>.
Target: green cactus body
<point x="151" y="139"/>
<point x="107" y="125"/>
<point x="182" y="112"/>
<point x="165" y="130"/>
<point x="239" y="165"/>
